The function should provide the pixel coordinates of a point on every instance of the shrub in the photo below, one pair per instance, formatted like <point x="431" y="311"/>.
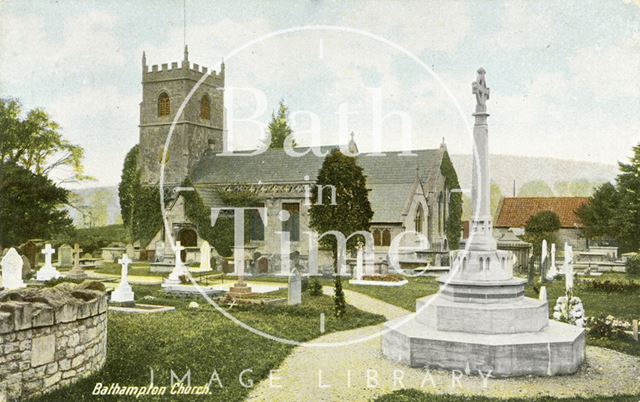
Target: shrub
<point x="610" y="286"/>
<point x="633" y="265"/>
<point x="607" y="327"/>
<point x="340" y="305"/>
<point x="315" y="289"/>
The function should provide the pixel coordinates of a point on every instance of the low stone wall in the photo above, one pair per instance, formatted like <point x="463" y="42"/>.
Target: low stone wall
<point x="50" y="337"/>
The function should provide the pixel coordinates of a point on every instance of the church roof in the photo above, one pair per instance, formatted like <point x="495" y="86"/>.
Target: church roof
<point x="390" y="178"/>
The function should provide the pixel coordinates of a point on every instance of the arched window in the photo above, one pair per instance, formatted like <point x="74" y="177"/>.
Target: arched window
<point x="164" y="105"/>
<point x="419" y="218"/>
<point x="204" y="107"/>
<point x="377" y="237"/>
<point x="386" y="237"/>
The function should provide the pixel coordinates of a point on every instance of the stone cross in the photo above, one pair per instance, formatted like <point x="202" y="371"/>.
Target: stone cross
<point x="12" y="270"/>
<point x="76" y="272"/>
<point x="76" y="255"/>
<point x="123" y="292"/>
<point x="359" y="264"/>
<point x="178" y="268"/>
<point x="568" y="273"/>
<point x="48" y="271"/>
<point x="481" y="91"/>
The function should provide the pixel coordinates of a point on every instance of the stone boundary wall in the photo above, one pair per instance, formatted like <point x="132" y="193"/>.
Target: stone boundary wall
<point x="50" y="337"/>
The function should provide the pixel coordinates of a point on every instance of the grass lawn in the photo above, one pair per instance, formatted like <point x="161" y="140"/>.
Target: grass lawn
<point x="412" y="395"/>
<point x="203" y="341"/>
<point x="134" y="269"/>
<point x="401" y="296"/>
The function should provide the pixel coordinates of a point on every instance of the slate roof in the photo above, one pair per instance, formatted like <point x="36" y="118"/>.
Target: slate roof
<point x="390" y="178"/>
<point x="514" y="212"/>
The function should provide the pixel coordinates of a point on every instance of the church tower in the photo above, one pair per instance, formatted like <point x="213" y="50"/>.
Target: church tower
<point x="198" y="127"/>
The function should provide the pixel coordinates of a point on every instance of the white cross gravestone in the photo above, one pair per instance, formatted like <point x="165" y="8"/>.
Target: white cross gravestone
<point x="12" y="270"/>
<point x="553" y="269"/>
<point x="205" y="256"/>
<point x="179" y="268"/>
<point x="123" y="292"/>
<point x="543" y="293"/>
<point x="48" y="271"/>
<point x="295" y="288"/>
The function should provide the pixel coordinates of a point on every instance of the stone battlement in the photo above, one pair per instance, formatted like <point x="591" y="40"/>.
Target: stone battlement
<point x="185" y="70"/>
<point x="50" y="337"/>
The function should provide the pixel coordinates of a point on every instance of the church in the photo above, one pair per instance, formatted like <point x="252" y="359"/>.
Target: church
<point x="407" y="192"/>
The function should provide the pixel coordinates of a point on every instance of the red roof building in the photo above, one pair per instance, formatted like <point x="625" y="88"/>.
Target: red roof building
<point x="515" y="212"/>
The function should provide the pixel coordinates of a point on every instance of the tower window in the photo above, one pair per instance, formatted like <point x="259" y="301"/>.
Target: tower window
<point x="419" y="218"/>
<point x="204" y="108"/>
<point x="164" y="105"/>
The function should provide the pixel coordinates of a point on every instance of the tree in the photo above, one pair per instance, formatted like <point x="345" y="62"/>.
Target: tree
<point x="597" y="215"/>
<point x="541" y="226"/>
<point x="129" y="181"/>
<point x="626" y="219"/>
<point x="279" y="127"/>
<point x="339" y="303"/>
<point x="352" y="211"/>
<point x="453" y="225"/>
<point x="36" y="144"/>
<point x="536" y="188"/>
<point x="30" y="206"/>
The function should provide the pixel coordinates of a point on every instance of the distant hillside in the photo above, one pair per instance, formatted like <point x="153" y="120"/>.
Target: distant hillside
<point x="534" y="176"/>
<point x="538" y="176"/>
<point x="100" y="205"/>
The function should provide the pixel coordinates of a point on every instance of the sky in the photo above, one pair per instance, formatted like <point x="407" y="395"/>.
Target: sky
<point x="564" y="75"/>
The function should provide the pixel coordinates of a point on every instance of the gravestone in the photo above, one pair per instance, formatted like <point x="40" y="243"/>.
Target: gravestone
<point x="158" y="254"/>
<point x="543" y="261"/>
<point x="26" y="267"/>
<point x="31" y="250"/>
<point x="12" y="270"/>
<point x="76" y="272"/>
<point x="359" y="264"/>
<point x="123" y="292"/>
<point x="65" y="255"/>
<point x="130" y="251"/>
<point x="48" y="271"/>
<point x="295" y="288"/>
<point x="263" y="264"/>
<point x="205" y="256"/>
<point x="179" y="269"/>
<point x="568" y="273"/>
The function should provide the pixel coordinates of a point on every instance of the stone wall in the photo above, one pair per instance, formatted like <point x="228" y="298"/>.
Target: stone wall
<point x="50" y="337"/>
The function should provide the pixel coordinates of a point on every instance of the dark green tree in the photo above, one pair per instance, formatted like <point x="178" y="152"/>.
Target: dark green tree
<point x="352" y="211"/>
<point x="454" y="220"/>
<point x="597" y="215"/>
<point x="541" y="226"/>
<point x="339" y="303"/>
<point x="129" y="181"/>
<point x="30" y="206"/>
<point x="279" y="127"/>
<point x="626" y="219"/>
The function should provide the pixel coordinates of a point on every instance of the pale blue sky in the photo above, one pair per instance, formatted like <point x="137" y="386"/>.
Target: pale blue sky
<point x="564" y="76"/>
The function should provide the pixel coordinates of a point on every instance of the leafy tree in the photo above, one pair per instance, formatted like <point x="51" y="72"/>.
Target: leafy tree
<point x="597" y="215"/>
<point x="315" y="288"/>
<point x="541" y="226"/>
<point x="626" y="219"/>
<point x="339" y="303"/>
<point x="129" y="180"/>
<point x="536" y="188"/>
<point x="30" y="206"/>
<point x="279" y="127"/>
<point x="453" y="225"/>
<point x="575" y="188"/>
<point x="36" y="144"/>
<point x="352" y="211"/>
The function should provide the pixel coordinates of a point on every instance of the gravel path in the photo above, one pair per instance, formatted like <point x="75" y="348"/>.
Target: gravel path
<point x="341" y="373"/>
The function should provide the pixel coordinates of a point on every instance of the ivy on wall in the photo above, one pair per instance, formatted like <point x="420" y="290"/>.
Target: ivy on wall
<point x="454" y="223"/>
<point x="139" y="205"/>
<point x="221" y="235"/>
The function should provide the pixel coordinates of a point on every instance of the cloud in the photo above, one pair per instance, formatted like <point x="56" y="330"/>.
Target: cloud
<point x="609" y="72"/>
<point x="524" y="27"/>
<point x="31" y="52"/>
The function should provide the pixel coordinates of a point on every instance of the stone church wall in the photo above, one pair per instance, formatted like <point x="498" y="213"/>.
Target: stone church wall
<point x="50" y="338"/>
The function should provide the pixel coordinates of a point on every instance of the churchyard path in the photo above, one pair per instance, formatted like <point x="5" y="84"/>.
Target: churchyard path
<point x="359" y="372"/>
